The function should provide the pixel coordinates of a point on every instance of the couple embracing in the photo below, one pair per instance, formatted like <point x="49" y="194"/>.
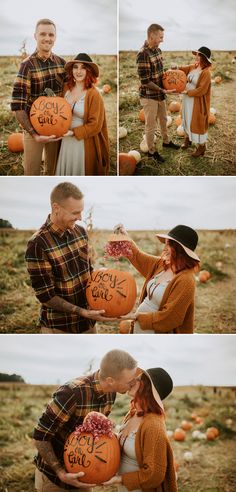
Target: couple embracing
<point x="147" y="462"/>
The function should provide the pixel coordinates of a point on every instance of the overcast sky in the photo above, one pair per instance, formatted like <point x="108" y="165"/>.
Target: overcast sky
<point x="139" y="202"/>
<point x="188" y="24"/>
<point x="190" y="359"/>
<point x="82" y="25"/>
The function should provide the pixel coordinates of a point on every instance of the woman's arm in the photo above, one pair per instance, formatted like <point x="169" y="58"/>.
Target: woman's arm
<point x="96" y="116"/>
<point x="173" y="312"/>
<point x="143" y="262"/>
<point x="204" y="83"/>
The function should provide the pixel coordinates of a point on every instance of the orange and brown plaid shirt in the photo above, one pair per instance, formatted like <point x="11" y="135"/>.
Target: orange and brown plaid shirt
<point x="34" y="76"/>
<point x="150" y="69"/>
<point x="58" y="264"/>
<point x="67" y="409"/>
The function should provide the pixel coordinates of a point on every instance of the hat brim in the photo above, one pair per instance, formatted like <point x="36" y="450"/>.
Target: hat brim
<point x="155" y="393"/>
<point x="208" y="59"/>
<point x="189" y="252"/>
<point x="93" y="65"/>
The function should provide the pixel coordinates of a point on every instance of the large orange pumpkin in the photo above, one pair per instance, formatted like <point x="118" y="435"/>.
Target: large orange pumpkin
<point x="174" y="79"/>
<point x="99" y="459"/>
<point x="112" y="290"/>
<point x="51" y="115"/>
<point x="127" y="164"/>
<point x="15" y="142"/>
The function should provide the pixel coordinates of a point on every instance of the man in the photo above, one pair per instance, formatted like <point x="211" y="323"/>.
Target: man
<point x="152" y="94"/>
<point x="59" y="266"/>
<point x="70" y="404"/>
<point x="39" y="71"/>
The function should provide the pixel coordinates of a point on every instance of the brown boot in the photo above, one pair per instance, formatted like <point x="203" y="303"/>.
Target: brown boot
<point x="186" y="143"/>
<point x="199" y="151"/>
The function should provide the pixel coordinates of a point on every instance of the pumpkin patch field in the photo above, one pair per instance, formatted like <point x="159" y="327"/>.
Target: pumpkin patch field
<point x="11" y="161"/>
<point x="215" y="310"/>
<point x="220" y="157"/>
<point x="201" y="464"/>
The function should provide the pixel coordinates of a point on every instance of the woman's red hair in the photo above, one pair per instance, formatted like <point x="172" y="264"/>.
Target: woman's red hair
<point x="89" y="80"/>
<point x="145" y="399"/>
<point x="179" y="260"/>
<point x="204" y="62"/>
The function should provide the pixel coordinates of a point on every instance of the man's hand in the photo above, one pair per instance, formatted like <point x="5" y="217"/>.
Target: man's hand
<point x="96" y="315"/>
<point x="73" y="479"/>
<point x="45" y="139"/>
<point x="169" y="91"/>
<point x="114" y="480"/>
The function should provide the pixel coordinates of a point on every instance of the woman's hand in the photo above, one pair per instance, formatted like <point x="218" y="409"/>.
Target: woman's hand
<point x="119" y="228"/>
<point x="184" y="92"/>
<point x="173" y="66"/>
<point x="131" y="316"/>
<point x="70" y="133"/>
<point x="113" y="480"/>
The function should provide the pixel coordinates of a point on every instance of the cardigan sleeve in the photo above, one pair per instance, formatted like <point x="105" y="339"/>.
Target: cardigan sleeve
<point x="154" y="462"/>
<point x="186" y="68"/>
<point x="173" y="312"/>
<point x="95" y="119"/>
<point x="143" y="262"/>
<point x="203" y="85"/>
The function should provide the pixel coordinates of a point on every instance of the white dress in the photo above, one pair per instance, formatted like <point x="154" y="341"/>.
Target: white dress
<point x="128" y="461"/>
<point x="187" y="110"/>
<point x="71" y="159"/>
<point x="152" y="301"/>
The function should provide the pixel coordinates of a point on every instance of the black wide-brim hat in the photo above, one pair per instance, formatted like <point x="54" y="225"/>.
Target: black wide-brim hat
<point x="206" y="52"/>
<point x="161" y="383"/>
<point x="185" y="236"/>
<point x="85" y="59"/>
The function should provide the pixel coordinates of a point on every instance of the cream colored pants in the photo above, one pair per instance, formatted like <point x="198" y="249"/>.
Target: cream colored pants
<point x="43" y="484"/>
<point x="154" y="111"/>
<point x="33" y="152"/>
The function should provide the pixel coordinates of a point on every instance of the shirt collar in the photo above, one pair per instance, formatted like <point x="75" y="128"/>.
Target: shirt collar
<point x="51" y="57"/>
<point x="54" y="228"/>
<point x="155" y="48"/>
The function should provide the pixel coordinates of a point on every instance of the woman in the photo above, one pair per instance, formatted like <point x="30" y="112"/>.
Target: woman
<point x="85" y="147"/>
<point x="196" y="101"/>
<point x="167" y="298"/>
<point x="146" y="459"/>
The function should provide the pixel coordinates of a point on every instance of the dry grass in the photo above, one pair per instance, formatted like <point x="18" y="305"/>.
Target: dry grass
<point x="214" y="463"/>
<point x="11" y="163"/>
<point x="215" y="300"/>
<point x="221" y="149"/>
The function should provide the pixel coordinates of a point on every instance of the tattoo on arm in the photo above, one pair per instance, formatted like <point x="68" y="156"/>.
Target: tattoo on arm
<point x="61" y="305"/>
<point x="23" y="119"/>
<point x="45" y="450"/>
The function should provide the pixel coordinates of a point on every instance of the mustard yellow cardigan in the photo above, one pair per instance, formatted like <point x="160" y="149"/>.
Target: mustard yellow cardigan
<point x="94" y="133"/>
<point x="176" y="311"/>
<point x="154" y="456"/>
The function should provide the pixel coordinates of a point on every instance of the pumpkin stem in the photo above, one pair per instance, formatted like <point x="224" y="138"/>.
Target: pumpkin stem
<point x="49" y="92"/>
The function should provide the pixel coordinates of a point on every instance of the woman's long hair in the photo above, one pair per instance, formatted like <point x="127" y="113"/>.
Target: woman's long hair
<point x="204" y="62"/>
<point x="145" y="399"/>
<point x="179" y="260"/>
<point x="89" y="80"/>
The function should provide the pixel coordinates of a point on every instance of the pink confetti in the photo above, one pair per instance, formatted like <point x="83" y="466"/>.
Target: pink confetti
<point x="117" y="249"/>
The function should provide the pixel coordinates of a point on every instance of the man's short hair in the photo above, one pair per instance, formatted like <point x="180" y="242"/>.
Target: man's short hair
<point x="114" y="362"/>
<point x="65" y="190"/>
<point x="46" y="22"/>
<point x="154" y="28"/>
